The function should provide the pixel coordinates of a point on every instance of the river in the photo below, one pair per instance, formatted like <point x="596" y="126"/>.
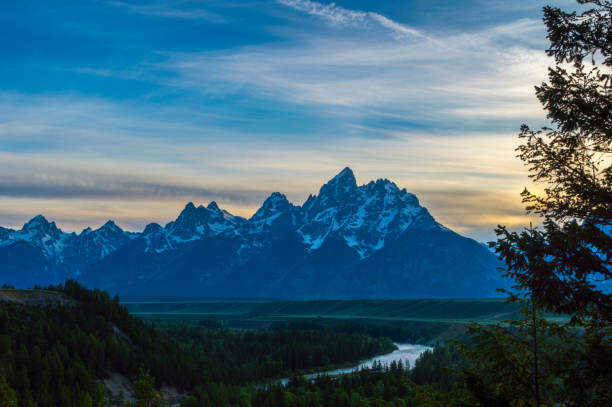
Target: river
<point x="406" y="352"/>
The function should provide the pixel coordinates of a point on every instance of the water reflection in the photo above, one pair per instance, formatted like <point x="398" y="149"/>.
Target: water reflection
<point x="406" y="352"/>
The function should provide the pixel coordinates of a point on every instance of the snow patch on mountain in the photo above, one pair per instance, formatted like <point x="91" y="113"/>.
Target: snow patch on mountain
<point x="59" y="247"/>
<point x="364" y="216"/>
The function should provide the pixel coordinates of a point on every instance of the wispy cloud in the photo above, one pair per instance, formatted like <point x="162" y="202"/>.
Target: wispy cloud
<point x="333" y="13"/>
<point x="473" y="75"/>
<point x="342" y="16"/>
<point x="398" y="29"/>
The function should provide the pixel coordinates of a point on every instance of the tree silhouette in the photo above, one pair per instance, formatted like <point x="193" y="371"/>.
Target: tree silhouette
<point x="573" y="161"/>
<point x="564" y="266"/>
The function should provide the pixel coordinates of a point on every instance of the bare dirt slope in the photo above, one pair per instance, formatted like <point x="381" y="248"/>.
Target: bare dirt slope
<point x="36" y="298"/>
<point x="120" y="389"/>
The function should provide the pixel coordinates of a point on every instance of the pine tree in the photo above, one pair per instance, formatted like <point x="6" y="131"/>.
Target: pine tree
<point x="573" y="161"/>
<point x="564" y="265"/>
<point x="145" y="393"/>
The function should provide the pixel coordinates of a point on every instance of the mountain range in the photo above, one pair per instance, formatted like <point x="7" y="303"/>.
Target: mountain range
<point x="348" y="241"/>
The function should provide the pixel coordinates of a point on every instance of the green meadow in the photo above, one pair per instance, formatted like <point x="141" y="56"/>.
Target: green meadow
<point x="435" y="310"/>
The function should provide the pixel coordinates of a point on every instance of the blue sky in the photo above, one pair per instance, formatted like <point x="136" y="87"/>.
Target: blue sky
<point x="127" y="110"/>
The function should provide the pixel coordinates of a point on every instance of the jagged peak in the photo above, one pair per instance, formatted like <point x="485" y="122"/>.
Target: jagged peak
<point x="192" y="217"/>
<point x="188" y="211"/>
<point x="386" y="187"/>
<point x="346" y="170"/>
<point x="277" y="195"/>
<point x="151" y="228"/>
<point x="275" y="203"/>
<point x="344" y="182"/>
<point x="383" y="185"/>
<point x="275" y="199"/>
<point x="36" y="220"/>
<point x="345" y="176"/>
<point x="40" y="224"/>
<point x="110" y="225"/>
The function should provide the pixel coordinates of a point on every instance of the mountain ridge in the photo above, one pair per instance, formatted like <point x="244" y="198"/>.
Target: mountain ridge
<point x="310" y="251"/>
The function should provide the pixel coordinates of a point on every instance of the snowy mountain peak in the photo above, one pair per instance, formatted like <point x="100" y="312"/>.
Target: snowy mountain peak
<point x="276" y="197"/>
<point x="346" y="173"/>
<point x="276" y="203"/>
<point x="365" y="217"/>
<point x="40" y="228"/>
<point x="342" y="184"/>
<point x="37" y="222"/>
<point x="390" y="192"/>
<point x="189" y="212"/>
<point x="197" y="222"/>
<point x="38" y="232"/>
<point x="110" y="226"/>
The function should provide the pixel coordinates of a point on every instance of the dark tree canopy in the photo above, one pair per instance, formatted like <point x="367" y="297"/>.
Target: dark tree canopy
<point x="575" y="36"/>
<point x="564" y="263"/>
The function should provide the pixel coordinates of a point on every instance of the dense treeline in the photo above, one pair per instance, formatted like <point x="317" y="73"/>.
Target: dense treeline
<point x="253" y="355"/>
<point x="435" y="380"/>
<point x="439" y="368"/>
<point x="377" y="386"/>
<point x="55" y="355"/>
